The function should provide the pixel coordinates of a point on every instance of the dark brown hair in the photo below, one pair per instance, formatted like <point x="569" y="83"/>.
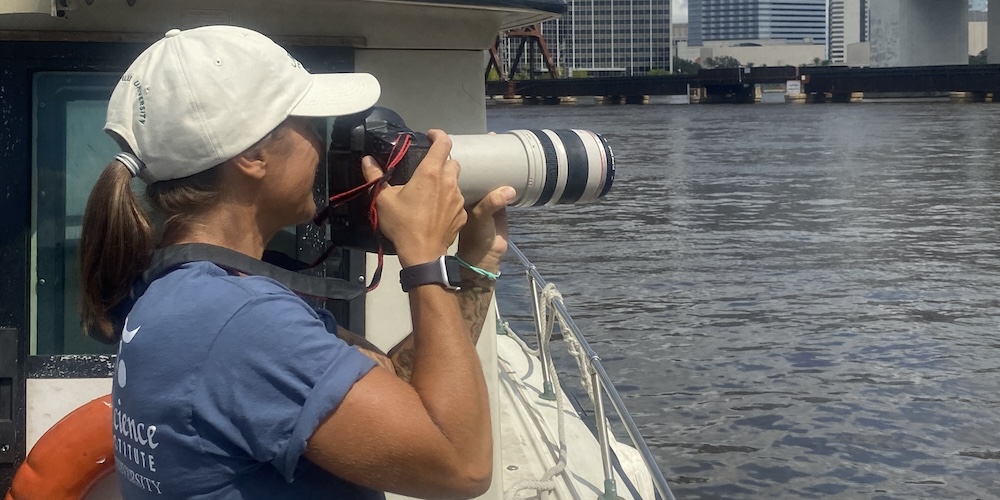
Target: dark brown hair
<point x="118" y="237"/>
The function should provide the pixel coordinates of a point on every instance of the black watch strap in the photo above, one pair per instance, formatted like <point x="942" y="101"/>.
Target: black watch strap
<point x="444" y="271"/>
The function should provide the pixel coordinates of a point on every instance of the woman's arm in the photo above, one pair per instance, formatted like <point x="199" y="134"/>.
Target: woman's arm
<point x="430" y="437"/>
<point x="474" y="303"/>
<point x="364" y="346"/>
<point x="482" y="242"/>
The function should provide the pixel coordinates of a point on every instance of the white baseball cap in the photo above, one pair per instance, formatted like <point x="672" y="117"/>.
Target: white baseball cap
<point x="199" y="97"/>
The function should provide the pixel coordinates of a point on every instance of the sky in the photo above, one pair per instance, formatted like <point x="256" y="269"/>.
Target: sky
<point x="680" y="10"/>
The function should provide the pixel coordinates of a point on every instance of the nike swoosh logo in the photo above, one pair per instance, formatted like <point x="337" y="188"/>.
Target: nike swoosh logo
<point x="127" y="334"/>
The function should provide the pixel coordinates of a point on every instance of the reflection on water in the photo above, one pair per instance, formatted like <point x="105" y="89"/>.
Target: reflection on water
<point x="797" y="301"/>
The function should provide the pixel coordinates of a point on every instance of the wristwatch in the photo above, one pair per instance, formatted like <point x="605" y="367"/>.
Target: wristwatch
<point x="444" y="271"/>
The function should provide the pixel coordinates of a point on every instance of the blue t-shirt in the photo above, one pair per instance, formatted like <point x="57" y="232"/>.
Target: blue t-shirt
<point x="220" y="382"/>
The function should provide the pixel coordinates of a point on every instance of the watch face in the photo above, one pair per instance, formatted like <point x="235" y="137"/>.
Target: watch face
<point x="453" y="270"/>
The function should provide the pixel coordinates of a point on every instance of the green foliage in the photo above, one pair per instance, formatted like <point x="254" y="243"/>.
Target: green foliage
<point x="658" y="72"/>
<point x="580" y="73"/>
<point x="722" y="62"/>
<point x="493" y="76"/>
<point x="978" y="59"/>
<point x="685" y="67"/>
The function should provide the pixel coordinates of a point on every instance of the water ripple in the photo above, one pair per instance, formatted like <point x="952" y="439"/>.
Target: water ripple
<point x="797" y="301"/>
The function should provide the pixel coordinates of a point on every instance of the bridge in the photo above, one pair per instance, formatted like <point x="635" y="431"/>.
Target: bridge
<point x="632" y="89"/>
<point x="738" y="84"/>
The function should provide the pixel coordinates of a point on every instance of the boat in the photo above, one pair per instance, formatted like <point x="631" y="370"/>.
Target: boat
<point x="59" y="60"/>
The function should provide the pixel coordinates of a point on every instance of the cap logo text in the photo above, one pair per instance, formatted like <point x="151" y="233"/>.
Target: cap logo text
<point x="141" y="101"/>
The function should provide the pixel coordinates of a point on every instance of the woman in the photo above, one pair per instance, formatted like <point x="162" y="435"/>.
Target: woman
<point x="228" y="385"/>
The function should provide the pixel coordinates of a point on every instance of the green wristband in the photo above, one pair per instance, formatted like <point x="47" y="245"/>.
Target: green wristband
<point x="477" y="270"/>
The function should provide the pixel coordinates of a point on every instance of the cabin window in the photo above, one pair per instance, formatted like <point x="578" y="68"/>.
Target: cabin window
<point x="70" y="151"/>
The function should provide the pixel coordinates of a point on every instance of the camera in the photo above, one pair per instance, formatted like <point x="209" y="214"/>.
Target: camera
<point x="546" y="167"/>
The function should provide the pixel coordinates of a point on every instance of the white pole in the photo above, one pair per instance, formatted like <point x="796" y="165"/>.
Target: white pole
<point x="671" y="29"/>
<point x="631" y="38"/>
<point x="572" y="33"/>
<point x="593" y="35"/>
<point x="611" y="25"/>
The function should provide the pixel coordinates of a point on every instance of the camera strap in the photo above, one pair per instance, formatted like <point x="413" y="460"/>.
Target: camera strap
<point x="171" y="257"/>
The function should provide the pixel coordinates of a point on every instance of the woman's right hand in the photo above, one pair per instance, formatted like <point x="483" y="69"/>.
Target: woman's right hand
<point x="422" y="217"/>
<point x="430" y="437"/>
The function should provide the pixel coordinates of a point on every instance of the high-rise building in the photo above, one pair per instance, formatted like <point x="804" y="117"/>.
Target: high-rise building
<point x="611" y="37"/>
<point x="762" y="21"/>
<point x="848" y="25"/>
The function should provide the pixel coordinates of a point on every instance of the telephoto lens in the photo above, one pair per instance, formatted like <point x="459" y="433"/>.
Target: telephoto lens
<point x="545" y="167"/>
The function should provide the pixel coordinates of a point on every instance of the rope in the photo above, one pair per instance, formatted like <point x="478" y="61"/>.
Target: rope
<point x="549" y="295"/>
<point x="524" y="347"/>
<point x="546" y="482"/>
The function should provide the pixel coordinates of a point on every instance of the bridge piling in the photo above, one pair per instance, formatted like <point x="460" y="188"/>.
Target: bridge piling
<point x="731" y="94"/>
<point x="794" y="93"/>
<point x="816" y="98"/>
<point x="532" y="100"/>
<point x="972" y="97"/>
<point x="695" y="95"/>
<point x="637" y="99"/>
<point x="847" y="97"/>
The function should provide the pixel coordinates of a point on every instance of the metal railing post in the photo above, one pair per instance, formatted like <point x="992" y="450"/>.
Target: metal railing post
<point x="548" y="393"/>
<point x="601" y="383"/>
<point x="610" y="488"/>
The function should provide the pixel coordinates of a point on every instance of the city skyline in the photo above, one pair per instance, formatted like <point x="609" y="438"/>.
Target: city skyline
<point x="680" y="9"/>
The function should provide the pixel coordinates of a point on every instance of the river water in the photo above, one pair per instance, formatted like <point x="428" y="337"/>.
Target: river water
<point x="796" y="301"/>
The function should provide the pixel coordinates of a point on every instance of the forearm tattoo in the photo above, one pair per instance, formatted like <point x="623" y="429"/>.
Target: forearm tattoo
<point x="473" y="302"/>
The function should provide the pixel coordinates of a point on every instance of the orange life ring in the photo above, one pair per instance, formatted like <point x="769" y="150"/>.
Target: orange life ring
<point x="70" y="458"/>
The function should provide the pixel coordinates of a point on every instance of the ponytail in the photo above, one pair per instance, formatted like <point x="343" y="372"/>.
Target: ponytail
<point x="116" y="246"/>
<point x="118" y="238"/>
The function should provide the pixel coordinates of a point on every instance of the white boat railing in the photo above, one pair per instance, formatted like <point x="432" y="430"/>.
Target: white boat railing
<point x="599" y="381"/>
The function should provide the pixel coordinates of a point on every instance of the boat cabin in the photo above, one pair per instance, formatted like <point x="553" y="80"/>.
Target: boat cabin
<point x="59" y="60"/>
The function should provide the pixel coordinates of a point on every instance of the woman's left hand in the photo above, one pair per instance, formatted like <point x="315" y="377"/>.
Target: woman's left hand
<point x="483" y="240"/>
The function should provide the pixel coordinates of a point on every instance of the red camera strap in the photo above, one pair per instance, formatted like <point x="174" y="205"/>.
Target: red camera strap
<point x="374" y="187"/>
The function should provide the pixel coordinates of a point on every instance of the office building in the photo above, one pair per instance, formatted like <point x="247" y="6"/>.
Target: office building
<point x="848" y="26"/>
<point x="978" y="32"/>
<point x="611" y="37"/>
<point x="764" y="22"/>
